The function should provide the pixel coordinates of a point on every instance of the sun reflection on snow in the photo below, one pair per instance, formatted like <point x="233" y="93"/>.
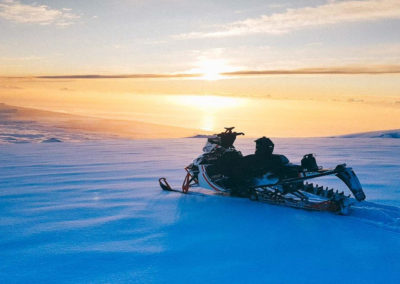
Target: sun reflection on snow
<point x="207" y="123"/>
<point x="207" y="111"/>
<point x="208" y="102"/>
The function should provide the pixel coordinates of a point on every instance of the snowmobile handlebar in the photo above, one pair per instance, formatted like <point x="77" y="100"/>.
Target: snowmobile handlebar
<point x="235" y="133"/>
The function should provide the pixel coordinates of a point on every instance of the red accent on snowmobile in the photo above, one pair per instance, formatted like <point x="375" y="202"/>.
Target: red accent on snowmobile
<point x="188" y="181"/>
<point x="327" y="205"/>
<point x="206" y="179"/>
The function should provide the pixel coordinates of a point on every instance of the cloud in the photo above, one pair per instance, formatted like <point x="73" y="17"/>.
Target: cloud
<point x="126" y="76"/>
<point x="341" y="70"/>
<point x="15" y="11"/>
<point x="299" y="18"/>
<point x="23" y="58"/>
<point x="344" y="70"/>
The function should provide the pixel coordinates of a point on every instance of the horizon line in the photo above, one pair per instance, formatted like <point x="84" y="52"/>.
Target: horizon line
<point x="340" y="70"/>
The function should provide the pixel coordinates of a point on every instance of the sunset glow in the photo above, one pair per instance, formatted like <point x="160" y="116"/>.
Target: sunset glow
<point x="207" y="103"/>
<point x="326" y="66"/>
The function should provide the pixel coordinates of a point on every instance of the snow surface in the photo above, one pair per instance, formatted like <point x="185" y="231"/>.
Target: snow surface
<point x="93" y="212"/>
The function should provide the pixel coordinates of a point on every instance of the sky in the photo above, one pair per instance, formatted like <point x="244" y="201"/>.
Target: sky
<point x="279" y="68"/>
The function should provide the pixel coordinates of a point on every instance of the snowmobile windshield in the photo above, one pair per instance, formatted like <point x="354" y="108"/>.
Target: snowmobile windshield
<point x="228" y="138"/>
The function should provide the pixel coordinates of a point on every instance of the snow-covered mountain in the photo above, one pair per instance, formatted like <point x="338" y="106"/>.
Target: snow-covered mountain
<point x="202" y="136"/>
<point x="24" y="125"/>
<point x="395" y="133"/>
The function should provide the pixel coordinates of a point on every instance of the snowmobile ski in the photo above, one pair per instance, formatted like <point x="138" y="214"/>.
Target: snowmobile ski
<point x="166" y="187"/>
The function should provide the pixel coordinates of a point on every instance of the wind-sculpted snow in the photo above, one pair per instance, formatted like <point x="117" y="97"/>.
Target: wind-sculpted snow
<point x="93" y="212"/>
<point x="384" y="216"/>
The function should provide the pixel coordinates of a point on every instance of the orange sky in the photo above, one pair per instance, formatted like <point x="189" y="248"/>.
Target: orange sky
<point x="284" y="105"/>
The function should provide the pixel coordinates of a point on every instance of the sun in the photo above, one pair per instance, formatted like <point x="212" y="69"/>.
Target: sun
<point x="211" y="69"/>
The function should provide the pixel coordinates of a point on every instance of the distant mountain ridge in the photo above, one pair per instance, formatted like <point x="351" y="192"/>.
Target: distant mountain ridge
<point x="25" y="125"/>
<point x="201" y="136"/>
<point x="394" y="133"/>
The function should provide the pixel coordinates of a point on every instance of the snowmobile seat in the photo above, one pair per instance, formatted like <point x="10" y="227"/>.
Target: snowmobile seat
<point x="288" y="170"/>
<point x="279" y="160"/>
<point x="256" y="165"/>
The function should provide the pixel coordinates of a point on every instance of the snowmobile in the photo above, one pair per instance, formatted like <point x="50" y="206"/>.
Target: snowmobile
<point x="267" y="177"/>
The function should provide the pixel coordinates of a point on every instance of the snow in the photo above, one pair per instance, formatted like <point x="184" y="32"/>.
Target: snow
<point x="92" y="211"/>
